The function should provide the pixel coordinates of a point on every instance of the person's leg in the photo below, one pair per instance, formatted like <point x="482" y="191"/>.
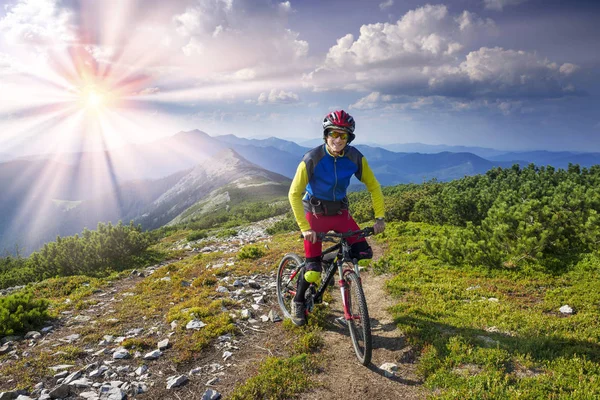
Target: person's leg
<point x="360" y="247"/>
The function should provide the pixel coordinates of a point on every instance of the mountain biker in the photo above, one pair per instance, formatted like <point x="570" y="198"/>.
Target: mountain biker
<point x="318" y="198"/>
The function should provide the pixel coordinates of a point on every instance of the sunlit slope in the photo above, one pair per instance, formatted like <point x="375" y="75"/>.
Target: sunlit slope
<point x="225" y="179"/>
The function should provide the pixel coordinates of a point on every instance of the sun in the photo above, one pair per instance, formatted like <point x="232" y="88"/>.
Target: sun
<point x="94" y="98"/>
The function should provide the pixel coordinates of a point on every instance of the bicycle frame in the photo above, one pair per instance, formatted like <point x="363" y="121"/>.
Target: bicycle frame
<point x="343" y="256"/>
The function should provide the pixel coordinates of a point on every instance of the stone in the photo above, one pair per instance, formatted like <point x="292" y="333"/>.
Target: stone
<point x="195" y="324"/>
<point x="61" y="367"/>
<point x="245" y="314"/>
<point x="82" y="383"/>
<point x="389" y="369"/>
<point x="222" y="289"/>
<point x="226" y="355"/>
<point x="141" y="370"/>
<point x="163" y="344"/>
<point x="90" y="395"/>
<point x="23" y="397"/>
<point x="112" y="393"/>
<point x="176" y="381"/>
<point x="32" y="335"/>
<point x="153" y="355"/>
<point x="98" y="372"/>
<point x="8" y="396"/>
<point x="211" y="394"/>
<point x="72" y="377"/>
<point x="253" y="284"/>
<point x="60" y="392"/>
<point x="196" y="371"/>
<point x="566" y="309"/>
<point x="273" y="316"/>
<point x="121" y="353"/>
<point x="264" y="318"/>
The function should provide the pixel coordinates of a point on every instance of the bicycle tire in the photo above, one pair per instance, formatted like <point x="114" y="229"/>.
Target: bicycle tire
<point x="360" y="329"/>
<point x="286" y="288"/>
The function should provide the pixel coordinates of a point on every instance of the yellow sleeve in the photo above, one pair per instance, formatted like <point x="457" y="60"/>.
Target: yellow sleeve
<point x="297" y="190"/>
<point x="368" y="178"/>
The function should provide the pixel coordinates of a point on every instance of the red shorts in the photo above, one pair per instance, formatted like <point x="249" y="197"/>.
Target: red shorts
<point x="337" y="223"/>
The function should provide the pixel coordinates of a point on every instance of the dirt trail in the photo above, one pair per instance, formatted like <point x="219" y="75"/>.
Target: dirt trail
<point x="344" y="377"/>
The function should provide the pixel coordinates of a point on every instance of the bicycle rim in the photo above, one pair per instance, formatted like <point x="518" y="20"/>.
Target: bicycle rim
<point x="359" y="325"/>
<point x="286" y="287"/>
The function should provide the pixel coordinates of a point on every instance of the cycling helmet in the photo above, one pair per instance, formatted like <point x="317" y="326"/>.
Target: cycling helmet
<point x="339" y="119"/>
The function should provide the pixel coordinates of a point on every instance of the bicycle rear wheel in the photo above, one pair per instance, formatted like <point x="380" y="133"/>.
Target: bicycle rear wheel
<point x="287" y="279"/>
<point x="359" y="324"/>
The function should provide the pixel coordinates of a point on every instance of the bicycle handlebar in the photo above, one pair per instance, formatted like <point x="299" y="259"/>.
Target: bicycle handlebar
<point x="368" y="231"/>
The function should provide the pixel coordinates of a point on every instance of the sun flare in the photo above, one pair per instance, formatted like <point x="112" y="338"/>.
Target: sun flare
<point x="94" y="98"/>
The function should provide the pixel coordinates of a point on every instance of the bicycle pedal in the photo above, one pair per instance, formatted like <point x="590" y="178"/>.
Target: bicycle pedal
<point x="342" y="322"/>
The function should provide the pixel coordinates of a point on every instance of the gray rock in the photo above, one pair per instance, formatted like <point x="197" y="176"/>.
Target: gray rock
<point x="566" y="309"/>
<point x="60" y="392"/>
<point x="253" y="284"/>
<point x="211" y="394"/>
<point x="196" y="371"/>
<point x="121" y="353"/>
<point x="195" y="324"/>
<point x="3" y="350"/>
<point x="8" y="396"/>
<point x="112" y="393"/>
<point x="273" y="316"/>
<point x="163" y="344"/>
<point x="222" y="289"/>
<point x="245" y="314"/>
<point x="89" y="395"/>
<point x="72" y="377"/>
<point x="23" y="397"/>
<point x="46" y="329"/>
<point x="389" y="369"/>
<point x="141" y="370"/>
<point x="32" y="335"/>
<point x="82" y="383"/>
<point x="153" y="355"/>
<point x="98" y="372"/>
<point x="176" y="381"/>
<point x="61" y="367"/>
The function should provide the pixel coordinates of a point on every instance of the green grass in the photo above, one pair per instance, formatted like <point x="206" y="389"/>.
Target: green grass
<point x="497" y="334"/>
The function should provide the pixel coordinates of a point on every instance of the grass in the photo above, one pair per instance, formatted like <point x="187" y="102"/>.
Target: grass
<point x="487" y="334"/>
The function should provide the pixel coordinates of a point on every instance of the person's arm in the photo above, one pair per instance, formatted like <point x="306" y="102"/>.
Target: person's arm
<point x="295" y="194"/>
<point x="373" y="186"/>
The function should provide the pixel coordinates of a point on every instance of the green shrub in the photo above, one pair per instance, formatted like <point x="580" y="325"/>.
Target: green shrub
<point x="288" y="224"/>
<point x="20" y="313"/>
<point x="196" y="235"/>
<point x="251" y="252"/>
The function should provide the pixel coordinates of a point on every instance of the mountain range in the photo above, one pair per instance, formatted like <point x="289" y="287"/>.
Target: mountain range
<point x="178" y="178"/>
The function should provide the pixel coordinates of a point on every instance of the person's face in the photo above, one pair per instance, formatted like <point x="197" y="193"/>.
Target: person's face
<point x="337" y="140"/>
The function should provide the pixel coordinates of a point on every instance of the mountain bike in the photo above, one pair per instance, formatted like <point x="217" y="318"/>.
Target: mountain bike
<point x="336" y="257"/>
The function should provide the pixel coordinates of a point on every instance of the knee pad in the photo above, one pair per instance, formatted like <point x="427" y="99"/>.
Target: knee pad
<point x="312" y="274"/>
<point x="361" y="250"/>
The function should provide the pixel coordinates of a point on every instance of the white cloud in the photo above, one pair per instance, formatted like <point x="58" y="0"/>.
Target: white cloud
<point x="371" y="101"/>
<point x="219" y="37"/>
<point x="568" y="68"/>
<point x="386" y="4"/>
<point x="37" y="22"/>
<point x="278" y="97"/>
<point x="498" y="5"/>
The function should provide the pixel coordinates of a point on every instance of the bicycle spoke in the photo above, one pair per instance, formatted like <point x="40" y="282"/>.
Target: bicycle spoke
<point x="359" y="323"/>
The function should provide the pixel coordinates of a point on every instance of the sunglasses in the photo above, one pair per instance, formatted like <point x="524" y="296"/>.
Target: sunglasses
<point x="336" y="134"/>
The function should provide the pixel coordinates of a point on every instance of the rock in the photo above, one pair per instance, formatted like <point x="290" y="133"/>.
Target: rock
<point x="89" y="395"/>
<point x="61" y="367"/>
<point x="72" y="377"/>
<point x="238" y="283"/>
<point x="3" y="350"/>
<point x="71" y="338"/>
<point x="82" y="383"/>
<point x="253" y="284"/>
<point x="153" y="355"/>
<point x="112" y="393"/>
<point x="32" y="335"/>
<point x="245" y="314"/>
<point x="46" y="329"/>
<point x="176" y="381"/>
<point x="389" y="369"/>
<point x="264" y="318"/>
<point x="226" y="355"/>
<point x="163" y="344"/>
<point x="23" y="397"/>
<point x="212" y="381"/>
<point x="196" y="371"/>
<point x="222" y="289"/>
<point x="8" y="396"/>
<point x="211" y="394"/>
<point x="60" y="392"/>
<point x="273" y="316"/>
<point x="121" y="353"/>
<point x="493" y="299"/>
<point x="259" y="300"/>
<point x="195" y="324"/>
<point x="185" y="284"/>
<point x="98" y="372"/>
<point x="141" y="370"/>
<point x="566" y="309"/>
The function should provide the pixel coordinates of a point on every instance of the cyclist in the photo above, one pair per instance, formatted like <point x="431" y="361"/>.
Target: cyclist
<point x="318" y="198"/>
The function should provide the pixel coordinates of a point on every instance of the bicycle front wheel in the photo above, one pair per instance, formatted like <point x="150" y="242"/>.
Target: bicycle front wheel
<point x="287" y="280"/>
<point x="359" y="323"/>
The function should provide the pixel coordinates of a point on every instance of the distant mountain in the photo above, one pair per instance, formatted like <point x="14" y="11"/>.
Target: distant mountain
<point x="558" y="159"/>
<point x="280" y="144"/>
<point x="226" y="168"/>
<point x="431" y="148"/>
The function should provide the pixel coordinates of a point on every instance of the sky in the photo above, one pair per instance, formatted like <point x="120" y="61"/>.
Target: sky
<point x="505" y="74"/>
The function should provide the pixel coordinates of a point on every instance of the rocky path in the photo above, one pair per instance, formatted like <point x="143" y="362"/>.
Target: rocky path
<point x="108" y="371"/>
<point x="344" y="377"/>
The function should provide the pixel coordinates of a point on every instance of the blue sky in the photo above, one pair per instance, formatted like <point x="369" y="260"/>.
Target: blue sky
<point x="508" y="74"/>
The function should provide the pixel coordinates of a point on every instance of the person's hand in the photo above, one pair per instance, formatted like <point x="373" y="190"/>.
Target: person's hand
<point x="310" y="235"/>
<point x="379" y="226"/>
